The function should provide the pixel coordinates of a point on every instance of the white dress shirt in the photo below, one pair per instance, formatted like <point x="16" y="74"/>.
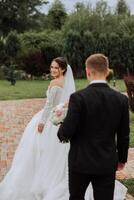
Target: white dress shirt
<point x="98" y="81"/>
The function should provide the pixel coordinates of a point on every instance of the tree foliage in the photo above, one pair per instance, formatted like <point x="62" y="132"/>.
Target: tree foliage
<point x="76" y="35"/>
<point x="17" y="15"/>
<point x="122" y="8"/>
<point x="12" y="45"/>
<point x="57" y="15"/>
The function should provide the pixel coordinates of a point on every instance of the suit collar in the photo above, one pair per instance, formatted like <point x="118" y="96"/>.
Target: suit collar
<point x="98" y="81"/>
<point x="98" y="85"/>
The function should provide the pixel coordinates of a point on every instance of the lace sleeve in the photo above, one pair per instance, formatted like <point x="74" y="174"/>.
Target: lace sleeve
<point x="53" y="99"/>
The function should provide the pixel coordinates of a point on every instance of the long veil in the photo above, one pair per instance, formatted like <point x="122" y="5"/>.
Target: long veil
<point x="69" y="85"/>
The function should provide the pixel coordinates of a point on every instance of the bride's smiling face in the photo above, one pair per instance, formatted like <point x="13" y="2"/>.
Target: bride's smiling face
<point x="55" y="70"/>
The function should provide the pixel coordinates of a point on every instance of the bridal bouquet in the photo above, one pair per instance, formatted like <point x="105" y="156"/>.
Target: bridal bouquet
<point x="58" y="114"/>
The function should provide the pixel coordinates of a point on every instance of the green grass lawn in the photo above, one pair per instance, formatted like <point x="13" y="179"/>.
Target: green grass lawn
<point x="23" y="89"/>
<point x="29" y="89"/>
<point x="37" y="89"/>
<point x="120" y="85"/>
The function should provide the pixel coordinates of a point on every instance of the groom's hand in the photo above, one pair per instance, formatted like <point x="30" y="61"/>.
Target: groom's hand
<point x="40" y="127"/>
<point x="120" y="166"/>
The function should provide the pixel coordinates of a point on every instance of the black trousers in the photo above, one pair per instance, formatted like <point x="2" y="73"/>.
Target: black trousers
<point x="103" y="185"/>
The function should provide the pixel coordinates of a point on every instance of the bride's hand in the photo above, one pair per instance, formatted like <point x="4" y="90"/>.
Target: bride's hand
<point x="40" y="127"/>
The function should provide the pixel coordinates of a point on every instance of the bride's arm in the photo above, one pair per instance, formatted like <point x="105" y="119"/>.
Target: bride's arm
<point x="52" y="100"/>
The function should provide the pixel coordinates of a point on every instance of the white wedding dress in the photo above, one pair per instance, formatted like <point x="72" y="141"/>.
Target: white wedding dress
<point x="39" y="169"/>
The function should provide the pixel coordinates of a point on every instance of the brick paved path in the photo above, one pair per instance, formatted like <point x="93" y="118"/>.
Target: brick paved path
<point x="14" y="115"/>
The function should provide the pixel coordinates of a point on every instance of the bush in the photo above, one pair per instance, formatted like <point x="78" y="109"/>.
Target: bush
<point x="2" y="76"/>
<point x="32" y="62"/>
<point x="110" y="75"/>
<point x="11" y="75"/>
<point x="21" y="75"/>
<point x="129" y="81"/>
<point x="38" y="51"/>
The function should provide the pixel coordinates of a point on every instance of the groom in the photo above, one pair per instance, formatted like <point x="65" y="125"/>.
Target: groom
<point x="97" y="125"/>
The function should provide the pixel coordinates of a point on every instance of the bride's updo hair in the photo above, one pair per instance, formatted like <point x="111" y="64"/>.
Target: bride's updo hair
<point x="62" y="62"/>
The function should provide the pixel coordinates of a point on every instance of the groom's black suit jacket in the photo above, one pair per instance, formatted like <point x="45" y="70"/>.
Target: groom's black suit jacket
<point x="97" y="125"/>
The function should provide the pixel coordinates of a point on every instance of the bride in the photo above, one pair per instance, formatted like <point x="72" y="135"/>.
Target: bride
<point x="39" y="169"/>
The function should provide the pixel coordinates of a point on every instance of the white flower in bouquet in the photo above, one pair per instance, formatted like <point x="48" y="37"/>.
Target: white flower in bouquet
<point x="58" y="114"/>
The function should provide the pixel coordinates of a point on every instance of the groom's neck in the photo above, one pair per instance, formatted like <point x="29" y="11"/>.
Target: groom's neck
<point x="96" y="78"/>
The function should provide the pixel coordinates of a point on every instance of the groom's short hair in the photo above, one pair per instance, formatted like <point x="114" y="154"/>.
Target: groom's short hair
<point x="98" y="62"/>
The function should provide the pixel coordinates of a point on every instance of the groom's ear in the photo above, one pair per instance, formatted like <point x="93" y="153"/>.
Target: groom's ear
<point x="88" y="72"/>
